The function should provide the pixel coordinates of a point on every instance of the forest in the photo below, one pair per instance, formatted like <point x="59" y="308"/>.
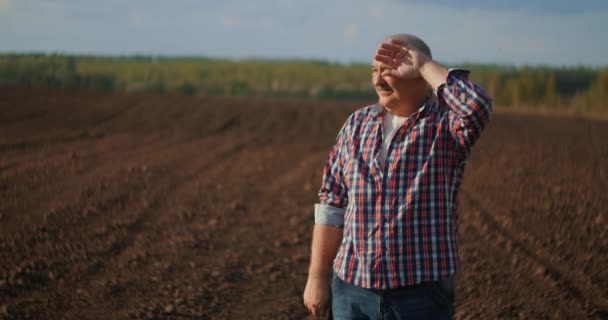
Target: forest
<point x="579" y="89"/>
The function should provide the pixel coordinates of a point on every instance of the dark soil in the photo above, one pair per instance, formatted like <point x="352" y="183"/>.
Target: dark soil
<point x="116" y="206"/>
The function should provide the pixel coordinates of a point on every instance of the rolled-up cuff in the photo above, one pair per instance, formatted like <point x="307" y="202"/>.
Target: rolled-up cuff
<point x="452" y="74"/>
<point x="326" y="214"/>
<point x="459" y="70"/>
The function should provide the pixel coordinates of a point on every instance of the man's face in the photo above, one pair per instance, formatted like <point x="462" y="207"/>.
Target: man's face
<point x="391" y="90"/>
<point x="387" y="88"/>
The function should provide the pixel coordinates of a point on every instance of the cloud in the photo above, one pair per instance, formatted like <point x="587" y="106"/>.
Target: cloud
<point x="4" y="5"/>
<point x="537" y="7"/>
<point x="50" y="5"/>
<point x="339" y="30"/>
<point x="136" y="19"/>
<point x="237" y="22"/>
<point x="376" y="12"/>
<point x="351" y="32"/>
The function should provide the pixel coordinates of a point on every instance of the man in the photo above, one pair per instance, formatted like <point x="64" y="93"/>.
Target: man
<point x="385" y="236"/>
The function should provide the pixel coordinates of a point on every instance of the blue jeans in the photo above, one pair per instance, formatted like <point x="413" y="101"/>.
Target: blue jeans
<point x="428" y="300"/>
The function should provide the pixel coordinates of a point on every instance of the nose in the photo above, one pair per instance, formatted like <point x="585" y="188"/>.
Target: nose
<point x="379" y="80"/>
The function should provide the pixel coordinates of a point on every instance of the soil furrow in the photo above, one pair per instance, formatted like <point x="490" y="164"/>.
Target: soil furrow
<point x="578" y="286"/>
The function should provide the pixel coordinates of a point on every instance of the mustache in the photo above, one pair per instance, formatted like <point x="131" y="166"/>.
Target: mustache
<point x="384" y="86"/>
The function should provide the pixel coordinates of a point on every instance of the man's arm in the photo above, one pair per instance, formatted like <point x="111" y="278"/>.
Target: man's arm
<point x="469" y="106"/>
<point x="327" y="231"/>
<point x="325" y="243"/>
<point x="326" y="240"/>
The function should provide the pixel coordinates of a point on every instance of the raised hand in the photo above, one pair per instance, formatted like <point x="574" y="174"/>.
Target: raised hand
<point x="407" y="62"/>
<point x="404" y="61"/>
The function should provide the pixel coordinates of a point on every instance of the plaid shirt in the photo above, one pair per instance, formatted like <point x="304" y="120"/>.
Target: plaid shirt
<point x="401" y="222"/>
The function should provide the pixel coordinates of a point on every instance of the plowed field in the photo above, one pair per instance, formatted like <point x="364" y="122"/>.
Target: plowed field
<point x="116" y="206"/>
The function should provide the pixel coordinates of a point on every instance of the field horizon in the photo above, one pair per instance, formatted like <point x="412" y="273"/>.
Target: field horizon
<point x="576" y="88"/>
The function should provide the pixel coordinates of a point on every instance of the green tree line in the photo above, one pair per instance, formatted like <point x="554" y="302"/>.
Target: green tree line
<point x="581" y="89"/>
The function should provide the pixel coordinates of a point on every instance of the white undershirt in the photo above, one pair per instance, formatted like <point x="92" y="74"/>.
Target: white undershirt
<point x="391" y="125"/>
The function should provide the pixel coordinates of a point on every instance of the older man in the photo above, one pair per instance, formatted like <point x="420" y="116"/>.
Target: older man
<point x="385" y="236"/>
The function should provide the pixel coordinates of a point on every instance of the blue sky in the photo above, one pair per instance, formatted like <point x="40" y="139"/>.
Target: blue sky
<point x="509" y="32"/>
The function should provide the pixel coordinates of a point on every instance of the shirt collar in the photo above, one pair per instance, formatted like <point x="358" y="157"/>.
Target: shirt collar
<point x="377" y="109"/>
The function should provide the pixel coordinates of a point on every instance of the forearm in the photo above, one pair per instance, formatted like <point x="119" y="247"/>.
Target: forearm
<point x="326" y="240"/>
<point x="469" y="106"/>
<point x="433" y="73"/>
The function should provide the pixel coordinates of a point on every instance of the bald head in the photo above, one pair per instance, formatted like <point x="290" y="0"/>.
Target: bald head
<point x="413" y="41"/>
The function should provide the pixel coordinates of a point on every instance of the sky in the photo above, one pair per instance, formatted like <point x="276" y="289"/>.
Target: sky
<point x="516" y="32"/>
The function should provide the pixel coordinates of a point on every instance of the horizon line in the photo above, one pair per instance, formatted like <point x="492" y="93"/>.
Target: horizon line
<point x="283" y="59"/>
